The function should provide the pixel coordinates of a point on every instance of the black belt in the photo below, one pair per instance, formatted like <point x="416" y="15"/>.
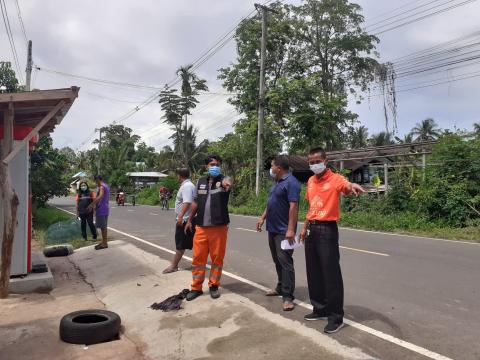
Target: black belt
<point x="318" y="222"/>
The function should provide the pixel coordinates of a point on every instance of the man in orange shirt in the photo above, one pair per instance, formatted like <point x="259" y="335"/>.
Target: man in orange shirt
<point x="320" y="235"/>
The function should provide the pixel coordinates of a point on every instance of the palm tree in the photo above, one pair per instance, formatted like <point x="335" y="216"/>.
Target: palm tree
<point x="426" y="130"/>
<point x="407" y="139"/>
<point x="476" y="128"/>
<point x="381" y="139"/>
<point x="191" y="86"/>
<point x="358" y="137"/>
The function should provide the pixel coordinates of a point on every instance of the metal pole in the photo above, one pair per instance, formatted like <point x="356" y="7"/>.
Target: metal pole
<point x="385" y="170"/>
<point x="261" y="98"/>
<point x="29" y="66"/>
<point x="99" y="151"/>
<point x="424" y="165"/>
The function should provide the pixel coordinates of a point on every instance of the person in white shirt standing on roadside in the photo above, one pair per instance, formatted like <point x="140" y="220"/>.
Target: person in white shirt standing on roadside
<point x="183" y="238"/>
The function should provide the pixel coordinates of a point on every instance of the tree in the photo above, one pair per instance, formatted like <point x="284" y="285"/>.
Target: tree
<point x="358" y="137"/>
<point x="70" y="156"/>
<point x="381" y="139"/>
<point x="476" y="128"/>
<point x="8" y="80"/>
<point x="317" y="54"/>
<point x="191" y="87"/>
<point x="48" y="176"/>
<point x="426" y="130"/>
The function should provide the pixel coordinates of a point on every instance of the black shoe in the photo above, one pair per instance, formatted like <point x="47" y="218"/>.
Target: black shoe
<point x="315" y="316"/>
<point x="193" y="294"/>
<point x="333" y="327"/>
<point x="214" y="292"/>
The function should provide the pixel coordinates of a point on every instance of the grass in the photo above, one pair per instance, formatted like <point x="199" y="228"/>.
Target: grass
<point x="43" y="217"/>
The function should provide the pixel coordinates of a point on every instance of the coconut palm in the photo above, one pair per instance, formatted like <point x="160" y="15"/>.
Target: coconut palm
<point x="358" y="137"/>
<point x="476" y="128"/>
<point x="426" y="130"/>
<point x="381" y="139"/>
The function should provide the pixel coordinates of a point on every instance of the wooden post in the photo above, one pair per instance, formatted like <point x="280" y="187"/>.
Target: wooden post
<point x="10" y="204"/>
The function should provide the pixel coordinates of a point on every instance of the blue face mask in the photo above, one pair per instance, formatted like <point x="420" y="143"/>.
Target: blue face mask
<point x="214" y="171"/>
<point x="318" y="168"/>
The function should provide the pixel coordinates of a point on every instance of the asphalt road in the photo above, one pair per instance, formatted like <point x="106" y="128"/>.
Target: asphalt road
<point x="419" y="290"/>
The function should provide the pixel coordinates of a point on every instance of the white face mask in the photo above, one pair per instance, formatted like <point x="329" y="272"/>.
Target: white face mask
<point x="272" y="174"/>
<point x="318" y="168"/>
<point x="83" y="188"/>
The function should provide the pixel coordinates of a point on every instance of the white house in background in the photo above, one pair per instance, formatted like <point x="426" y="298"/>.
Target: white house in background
<point x="145" y="178"/>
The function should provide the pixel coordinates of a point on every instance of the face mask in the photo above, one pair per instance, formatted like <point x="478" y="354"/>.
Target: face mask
<point x="272" y="174"/>
<point x="214" y="171"/>
<point x="83" y="188"/>
<point x="318" y="168"/>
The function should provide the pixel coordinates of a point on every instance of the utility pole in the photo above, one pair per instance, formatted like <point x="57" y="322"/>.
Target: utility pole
<point x="261" y="97"/>
<point x="99" y="151"/>
<point x="29" y="65"/>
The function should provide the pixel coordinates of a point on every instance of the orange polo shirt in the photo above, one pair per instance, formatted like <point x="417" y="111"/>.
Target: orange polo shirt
<point x="323" y="196"/>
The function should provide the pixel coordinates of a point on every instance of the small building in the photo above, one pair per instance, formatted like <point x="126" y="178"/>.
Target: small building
<point x="76" y="179"/>
<point x="24" y="117"/>
<point x="145" y="178"/>
<point x="363" y="164"/>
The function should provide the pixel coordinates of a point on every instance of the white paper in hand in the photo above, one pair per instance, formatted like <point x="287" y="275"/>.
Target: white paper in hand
<point x="285" y="245"/>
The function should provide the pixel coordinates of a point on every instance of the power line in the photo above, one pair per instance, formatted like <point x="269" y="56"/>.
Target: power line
<point x="8" y="28"/>
<point x="423" y="17"/>
<point x="21" y="22"/>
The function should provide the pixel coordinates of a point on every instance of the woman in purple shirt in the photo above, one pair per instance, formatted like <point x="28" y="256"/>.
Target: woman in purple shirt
<point x="102" y="210"/>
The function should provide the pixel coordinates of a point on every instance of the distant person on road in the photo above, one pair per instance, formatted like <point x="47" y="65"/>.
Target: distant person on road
<point x="212" y="219"/>
<point x="281" y="214"/>
<point x="183" y="238"/>
<point x="84" y="198"/>
<point x="102" y="210"/>
<point x="164" y="194"/>
<point x="320" y="235"/>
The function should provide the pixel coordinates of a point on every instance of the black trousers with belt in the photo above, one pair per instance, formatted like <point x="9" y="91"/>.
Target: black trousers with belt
<point x="324" y="276"/>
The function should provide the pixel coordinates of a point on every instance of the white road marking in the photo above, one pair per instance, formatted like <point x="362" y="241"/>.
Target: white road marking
<point x="363" y="251"/>
<point x="246" y="230"/>
<point x="153" y="214"/>
<point x="343" y="247"/>
<point x="405" y="344"/>
<point x="130" y="210"/>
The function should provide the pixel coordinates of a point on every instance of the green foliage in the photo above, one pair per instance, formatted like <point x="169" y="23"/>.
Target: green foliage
<point x="43" y="217"/>
<point x="48" y="172"/>
<point x="8" y="80"/>
<point x="149" y="195"/>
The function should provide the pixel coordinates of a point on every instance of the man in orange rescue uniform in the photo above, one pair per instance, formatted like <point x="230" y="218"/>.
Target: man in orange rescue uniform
<point x="212" y="219"/>
<point x="320" y="234"/>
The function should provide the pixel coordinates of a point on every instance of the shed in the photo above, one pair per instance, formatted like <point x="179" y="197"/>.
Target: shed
<point x="23" y="117"/>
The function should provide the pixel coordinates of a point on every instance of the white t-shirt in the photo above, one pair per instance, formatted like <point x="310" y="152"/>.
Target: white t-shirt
<point x="186" y="194"/>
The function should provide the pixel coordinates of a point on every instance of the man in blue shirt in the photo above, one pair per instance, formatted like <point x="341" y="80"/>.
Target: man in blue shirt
<point x="281" y="215"/>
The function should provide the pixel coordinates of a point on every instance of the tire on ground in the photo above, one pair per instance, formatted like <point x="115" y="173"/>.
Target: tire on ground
<point x="89" y="327"/>
<point x="58" y="250"/>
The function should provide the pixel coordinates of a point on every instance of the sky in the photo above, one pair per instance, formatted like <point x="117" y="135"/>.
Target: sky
<point x="145" y="41"/>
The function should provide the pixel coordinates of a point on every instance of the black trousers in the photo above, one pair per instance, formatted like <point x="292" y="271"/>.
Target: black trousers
<point x="84" y="218"/>
<point x="324" y="276"/>
<point x="284" y="265"/>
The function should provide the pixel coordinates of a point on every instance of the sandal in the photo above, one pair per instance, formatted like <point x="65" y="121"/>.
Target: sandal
<point x="288" y="305"/>
<point x="169" y="270"/>
<point x="272" y="293"/>
<point x="100" y="247"/>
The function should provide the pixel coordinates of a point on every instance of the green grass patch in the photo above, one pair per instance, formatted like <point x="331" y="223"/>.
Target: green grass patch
<point x="43" y="217"/>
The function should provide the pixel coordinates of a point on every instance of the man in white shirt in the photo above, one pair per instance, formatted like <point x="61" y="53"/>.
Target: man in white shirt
<point x="183" y="239"/>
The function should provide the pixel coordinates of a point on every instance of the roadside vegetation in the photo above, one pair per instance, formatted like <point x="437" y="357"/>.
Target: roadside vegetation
<point x="44" y="217"/>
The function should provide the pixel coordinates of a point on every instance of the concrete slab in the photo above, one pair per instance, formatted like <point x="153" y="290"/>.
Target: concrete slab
<point x="32" y="283"/>
<point x="128" y="280"/>
<point x="29" y="323"/>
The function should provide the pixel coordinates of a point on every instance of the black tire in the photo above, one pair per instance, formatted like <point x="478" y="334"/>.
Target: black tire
<point x="89" y="327"/>
<point x="58" y="250"/>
